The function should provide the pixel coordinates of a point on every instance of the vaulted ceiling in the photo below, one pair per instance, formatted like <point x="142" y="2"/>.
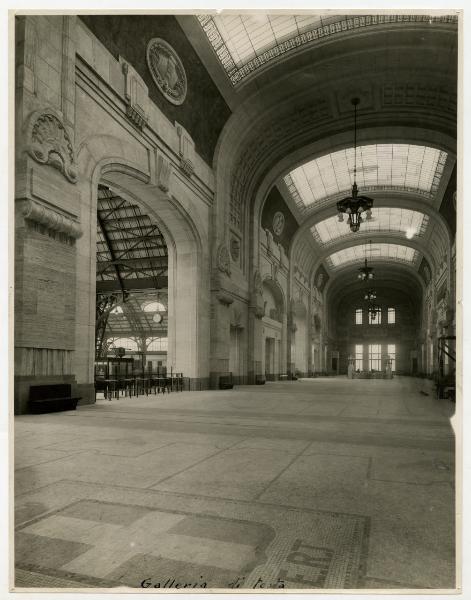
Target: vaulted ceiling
<point x="290" y="83"/>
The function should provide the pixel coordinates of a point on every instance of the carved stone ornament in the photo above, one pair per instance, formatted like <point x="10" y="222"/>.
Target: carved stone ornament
<point x="50" y="219"/>
<point x="136" y="95"/>
<point x="224" y="298"/>
<point x="50" y="144"/>
<point x="167" y="70"/>
<point x="236" y="320"/>
<point x="257" y="283"/>
<point x="187" y="166"/>
<point x="163" y="171"/>
<point x="235" y="249"/>
<point x="278" y="223"/>
<point x="223" y="260"/>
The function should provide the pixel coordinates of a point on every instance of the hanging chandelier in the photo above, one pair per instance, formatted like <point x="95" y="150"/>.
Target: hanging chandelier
<point x="355" y="205"/>
<point x="370" y="295"/>
<point x="366" y="272"/>
<point x="373" y="310"/>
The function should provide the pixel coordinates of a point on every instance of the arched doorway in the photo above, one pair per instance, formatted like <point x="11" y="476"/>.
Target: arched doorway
<point x="131" y="282"/>
<point x="274" y="329"/>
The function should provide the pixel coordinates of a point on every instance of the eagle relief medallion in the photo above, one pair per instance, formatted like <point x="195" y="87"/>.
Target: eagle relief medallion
<point x="167" y="70"/>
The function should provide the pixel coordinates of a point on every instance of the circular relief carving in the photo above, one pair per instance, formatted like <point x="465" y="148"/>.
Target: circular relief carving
<point x="167" y="70"/>
<point x="278" y="223"/>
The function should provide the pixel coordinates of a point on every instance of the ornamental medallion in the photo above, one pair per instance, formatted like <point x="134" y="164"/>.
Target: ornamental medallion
<point x="278" y="223"/>
<point x="167" y="70"/>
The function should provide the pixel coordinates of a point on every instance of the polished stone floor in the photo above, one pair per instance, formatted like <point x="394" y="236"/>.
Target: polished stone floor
<point x="324" y="483"/>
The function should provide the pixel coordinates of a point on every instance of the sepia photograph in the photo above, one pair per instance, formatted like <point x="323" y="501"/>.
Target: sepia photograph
<point x="237" y="280"/>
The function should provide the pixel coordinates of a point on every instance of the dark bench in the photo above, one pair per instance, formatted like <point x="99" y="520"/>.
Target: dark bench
<point x="225" y="382"/>
<point x="52" y="397"/>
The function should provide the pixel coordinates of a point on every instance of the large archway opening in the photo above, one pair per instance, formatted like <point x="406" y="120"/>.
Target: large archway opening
<point x="131" y="331"/>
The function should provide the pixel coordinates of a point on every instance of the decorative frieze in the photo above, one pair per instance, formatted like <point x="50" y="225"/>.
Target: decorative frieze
<point x="50" y="219"/>
<point x="50" y="144"/>
<point x="438" y="97"/>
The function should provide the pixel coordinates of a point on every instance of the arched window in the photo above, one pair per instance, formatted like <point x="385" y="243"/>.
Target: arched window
<point x="127" y="343"/>
<point x="157" y="344"/>
<point x="153" y="307"/>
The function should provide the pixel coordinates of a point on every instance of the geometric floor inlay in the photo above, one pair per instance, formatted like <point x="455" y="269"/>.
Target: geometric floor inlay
<point x="106" y="544"/>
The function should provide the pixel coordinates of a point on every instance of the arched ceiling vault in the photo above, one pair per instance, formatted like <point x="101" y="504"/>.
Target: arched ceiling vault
<point x="406" y="81"/>
<point x="432" y="243"/>
<point x="300" y="108"/>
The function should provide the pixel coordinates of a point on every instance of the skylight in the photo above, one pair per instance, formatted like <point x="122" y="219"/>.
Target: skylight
<point x="379" y="166"/>
<point x="395" y="252"/>
<point x="245" y="43"/>
<point x="388" y="219"/>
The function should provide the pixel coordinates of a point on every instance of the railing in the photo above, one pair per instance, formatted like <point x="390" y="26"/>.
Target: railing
<point x="145" y="384"/>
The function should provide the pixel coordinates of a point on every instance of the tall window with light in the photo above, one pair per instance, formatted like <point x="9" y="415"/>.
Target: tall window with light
<point x="391" y="316"/>
<point x="374" y="357"/>
<point x="358" y="357"/>
<point x="392" y="355"/>
<point x="374" y="316"/>
<point x="359" y="316"/>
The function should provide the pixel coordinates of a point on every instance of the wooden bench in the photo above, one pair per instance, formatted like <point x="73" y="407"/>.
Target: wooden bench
<point x="52" y="397"/>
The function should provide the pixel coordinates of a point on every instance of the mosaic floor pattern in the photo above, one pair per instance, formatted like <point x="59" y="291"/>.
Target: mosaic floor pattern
<point x="105" y="544"/>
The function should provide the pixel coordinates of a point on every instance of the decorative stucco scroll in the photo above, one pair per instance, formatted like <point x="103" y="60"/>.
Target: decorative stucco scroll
<point x="35" y="211"/>
<point x="50" y="144"/>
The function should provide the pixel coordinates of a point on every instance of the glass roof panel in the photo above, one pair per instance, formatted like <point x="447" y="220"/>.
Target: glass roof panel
<point x="392" y="166"/>
<point x="385" y="218"/>
<point x="372" y="252"/>
<point x="245" y="43"/>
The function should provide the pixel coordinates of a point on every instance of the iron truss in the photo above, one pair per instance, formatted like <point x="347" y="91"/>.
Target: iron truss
<point x="132" y="269"/>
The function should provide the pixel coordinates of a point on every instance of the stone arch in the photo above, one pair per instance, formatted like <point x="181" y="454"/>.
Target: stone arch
<point x="277" y="291"/>
<point x="104" y="159"/>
